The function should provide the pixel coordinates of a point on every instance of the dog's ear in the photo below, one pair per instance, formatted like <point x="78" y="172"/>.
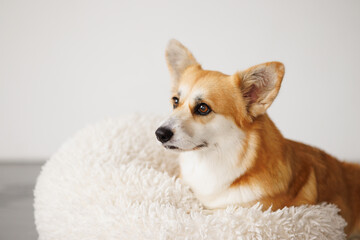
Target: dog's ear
<point x="260" y="85"/>
<point x="178" y="58"/>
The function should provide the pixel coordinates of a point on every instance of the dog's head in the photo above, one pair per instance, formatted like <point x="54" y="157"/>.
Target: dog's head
<point x="210" y="106"/>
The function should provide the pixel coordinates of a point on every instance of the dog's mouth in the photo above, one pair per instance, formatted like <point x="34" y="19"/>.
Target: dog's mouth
<point x="198" y="147"/>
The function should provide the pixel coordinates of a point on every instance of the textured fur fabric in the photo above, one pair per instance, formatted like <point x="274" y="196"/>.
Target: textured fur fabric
<point x="112" y="180"/>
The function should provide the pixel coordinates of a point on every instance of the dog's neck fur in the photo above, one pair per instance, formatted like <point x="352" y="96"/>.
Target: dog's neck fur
<point x="223" y="174"/>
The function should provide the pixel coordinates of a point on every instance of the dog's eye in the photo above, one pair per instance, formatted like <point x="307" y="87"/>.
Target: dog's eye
<point x="175" y="102"/>
<point x="203" y="109"/>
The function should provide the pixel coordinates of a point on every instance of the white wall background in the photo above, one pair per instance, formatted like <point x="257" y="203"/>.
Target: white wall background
<point x="64" y="64"/>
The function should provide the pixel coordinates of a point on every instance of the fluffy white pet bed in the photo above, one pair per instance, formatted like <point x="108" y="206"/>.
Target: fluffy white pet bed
<point x="113" y="180"/>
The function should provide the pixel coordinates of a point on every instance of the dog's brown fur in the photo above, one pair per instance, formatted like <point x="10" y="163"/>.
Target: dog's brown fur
<point x="293" y="174"/>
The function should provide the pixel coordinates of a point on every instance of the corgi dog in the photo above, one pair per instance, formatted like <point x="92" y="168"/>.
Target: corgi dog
<point x="231" y="153"/>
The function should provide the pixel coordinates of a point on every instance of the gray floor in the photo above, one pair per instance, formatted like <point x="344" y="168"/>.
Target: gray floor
<point x="16" y="201"/>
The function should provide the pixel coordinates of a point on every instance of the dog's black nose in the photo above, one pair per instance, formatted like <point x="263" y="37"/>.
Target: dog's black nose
<point x="163" y="134"/>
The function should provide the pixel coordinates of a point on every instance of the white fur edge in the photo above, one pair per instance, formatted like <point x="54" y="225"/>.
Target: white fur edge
<point x="112" y="180"/>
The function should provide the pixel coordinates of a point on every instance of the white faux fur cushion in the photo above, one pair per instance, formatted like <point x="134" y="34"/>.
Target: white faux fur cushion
<point x="113" y="180"/>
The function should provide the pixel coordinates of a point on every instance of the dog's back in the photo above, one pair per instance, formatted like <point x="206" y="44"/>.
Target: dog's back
<point x="336" y="182"/>
<point x="352" y="180"/>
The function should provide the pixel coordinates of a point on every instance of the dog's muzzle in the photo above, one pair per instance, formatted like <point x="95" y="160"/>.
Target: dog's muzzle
<point x="163" y="134"/>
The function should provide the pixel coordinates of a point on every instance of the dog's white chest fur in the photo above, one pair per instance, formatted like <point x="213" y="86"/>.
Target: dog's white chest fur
<point x="210" y="173"/>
